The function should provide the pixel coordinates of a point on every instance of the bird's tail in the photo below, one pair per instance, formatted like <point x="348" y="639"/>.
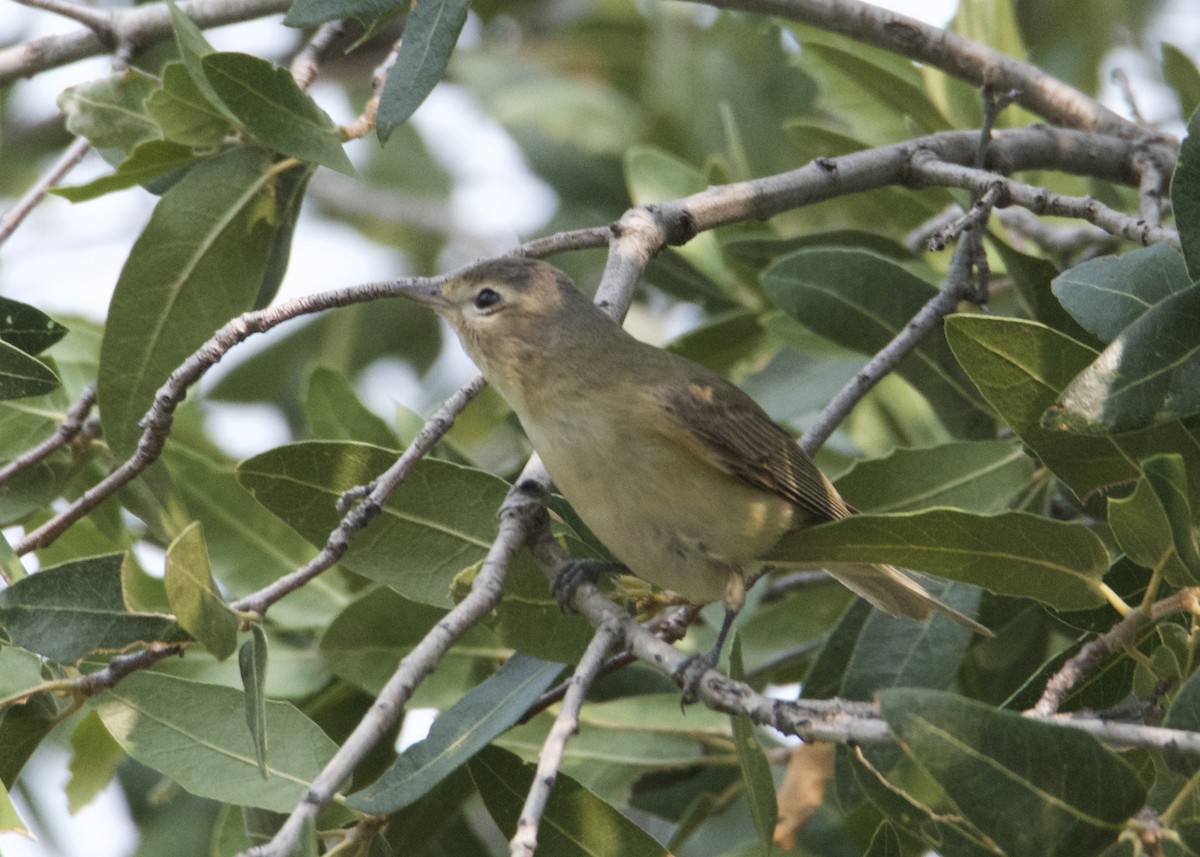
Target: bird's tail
<point x="893" y="591"/>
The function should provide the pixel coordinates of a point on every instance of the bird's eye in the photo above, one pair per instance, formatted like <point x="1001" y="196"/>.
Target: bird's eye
<point x="486" y="298"/>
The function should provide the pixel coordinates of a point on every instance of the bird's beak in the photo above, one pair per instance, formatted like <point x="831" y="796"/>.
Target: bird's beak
<point x="424" y="292"/>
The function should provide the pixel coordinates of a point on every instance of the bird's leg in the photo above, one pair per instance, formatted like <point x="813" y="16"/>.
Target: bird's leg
<point x="575" y="572"/>
<point x="691" y="670"/>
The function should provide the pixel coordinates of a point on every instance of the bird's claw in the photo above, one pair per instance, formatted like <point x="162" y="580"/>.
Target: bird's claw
<point x="689" y="674"/>
<point x="575" y="572"/>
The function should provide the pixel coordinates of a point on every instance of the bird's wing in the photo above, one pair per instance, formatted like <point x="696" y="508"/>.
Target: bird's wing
<point x="727" y="428"/>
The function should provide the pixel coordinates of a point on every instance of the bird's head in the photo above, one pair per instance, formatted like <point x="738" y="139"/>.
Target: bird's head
<point x="511" y="312"/>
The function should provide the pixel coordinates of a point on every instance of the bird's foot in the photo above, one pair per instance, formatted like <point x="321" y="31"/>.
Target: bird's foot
<point x="691" y="671"/>
<point x="575" y="572"/>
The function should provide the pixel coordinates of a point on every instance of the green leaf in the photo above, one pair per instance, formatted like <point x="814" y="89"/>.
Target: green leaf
<point x="193" y="595"/>
<point x="1147" y="375"/>
<point x="430" y="33"/>
<point x="575" y="823"/>
<point x="249" y="547"/>
<point x="1020" y="367"/>
<point x="622" y="740"/>
<point x="267" y="101"/>
<point x="196" y="735"/>
<point x="94" y="759"/>
<point x="652" y="176"/>
<point x="289" y="196"/>
<point x="193" y="48"/>
<point x="1185" y="195"/>
<point x="1181" y="75"/>
<point x="1184" y="713"/>
<point x="458" y="734"/>
<point x="440" y="520"/>
<point x="70" y="610"/>
<point x="310" y="13"/>
<point x="1034" y="278"/>
<point x="10" y="819"/>
<point x="367" y="640"/>
<point x="974" y="475"/>
<point x="1013" y="553"/>
<point x="900" y="92"/>
<point x="20" y="672"/>
<point x="199" y="262"/>
<point x="885" y="842"/>
<point x="1034" y="788"/>
<point x="756" y="770"/>
<point x="252" y="663"/>
<point x="1108" y="294"/>
<point x="147" y="161"/>
<point x="1144" y="530"/>
<point x="862" y="301"/>
<point x="111" y="112"/>
<point x="184" y="114"/>
<point x="22" y="376"/>
<point x="27" y="327"/>
<point x="335" y="412"/>
<point x="529" y="619"/>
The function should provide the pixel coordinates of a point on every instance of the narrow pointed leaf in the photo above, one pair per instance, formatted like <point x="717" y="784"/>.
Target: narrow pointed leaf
<point x="1020" y="366"/>
<point x="430" y="33"/>
<point x="70" y="610"/>
<point x="27" y="327"/>
<point x="10" y="819"/>
<point x="1037" y="789"/>
<point x="367" y="641"/>
<point x="252" y="663"/>
<point x="193" y="595"/>
<point x="196" y="735"/>
<point x="193" y="48"/>
<point x="267" y="101"/>
<point x="974" y="475"/>
<point x="458" y="734"/>
<point x="1149" y="374"/>
<point x="1013" y="553"/>
<point x="885" y="842"/>
<point x="309" y="13"/>
<point x="440" y="520"/>
<point x="199" y="262"/>
<point x="1034" y="278"/>
<point x="94" y="759"/>
<point x="1152" y="525"/>
<point x="22" y="376"/>
<point x="862" y="301"/>
<point x="576" y="823"/>
<point x="147" y="161"/>
<point x="756" y="770"/>
<point x="1181" y="74"/>
<point x="1108" y="294"/>
<point x="334" y="412"/>
<point x="1185" y="195"/>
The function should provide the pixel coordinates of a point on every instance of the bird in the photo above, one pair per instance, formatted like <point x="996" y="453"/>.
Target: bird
<point x="679" y="473"/>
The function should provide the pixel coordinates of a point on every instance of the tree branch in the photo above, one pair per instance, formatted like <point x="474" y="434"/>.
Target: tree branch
<point x="72" y="424"/>
<point x="141" y="26"/>
<point x="977" y="64"/>
<point x="566" y="724"/>
<point x="520" y="515"/>
<point x="1118" y="637"/>
<point x="12" y="218"/>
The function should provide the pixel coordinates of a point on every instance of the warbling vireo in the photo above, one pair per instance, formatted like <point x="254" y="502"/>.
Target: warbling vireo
<point x="681" y="475"/>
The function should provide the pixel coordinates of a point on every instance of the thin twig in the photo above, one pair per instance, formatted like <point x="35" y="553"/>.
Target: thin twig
<point x="954" y="289"/>
<point x="971" y="61"/>
<point x="976" y="217"/>
<point x="12" y="218"/>
<point x="1118" y="637"/>
<point x="363" y="511"/>
<point x="157" y="423"/>
<point x="566" y="724"/>
<point x="1041" y="201"/>
<point x="1054" y="238"/>
<point x="796" y="581"/>
<point x="520" y="515"/>
<point x="307" y="63"/>
<point x="72" y="425"/>
<point x="144" y="26"/>
<point x="94" y="19"/>
<point x="1151" y="184"/>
